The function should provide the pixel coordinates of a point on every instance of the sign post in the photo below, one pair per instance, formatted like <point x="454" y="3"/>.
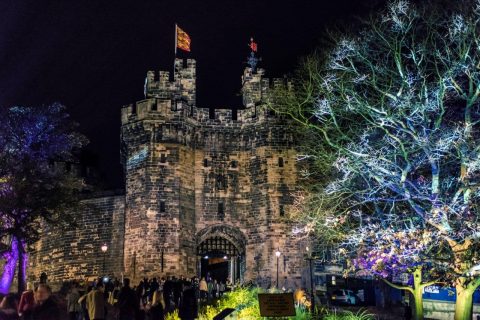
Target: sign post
<point x="276" y="304"/>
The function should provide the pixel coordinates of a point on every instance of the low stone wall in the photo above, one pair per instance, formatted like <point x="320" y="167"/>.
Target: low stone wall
<point x="444" y="310"/>
<point x="76" y="253"/>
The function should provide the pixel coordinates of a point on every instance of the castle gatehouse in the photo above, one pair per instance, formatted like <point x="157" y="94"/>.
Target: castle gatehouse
<point x="205" y="192"/>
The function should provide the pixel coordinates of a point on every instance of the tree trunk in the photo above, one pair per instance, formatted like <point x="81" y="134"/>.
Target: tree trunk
<point x="22" y="256"/>
<point x="8" y="273"/>
<point x="418" y="293"/>
<point x="463" y="303"/>
<point x="11" y="258"/>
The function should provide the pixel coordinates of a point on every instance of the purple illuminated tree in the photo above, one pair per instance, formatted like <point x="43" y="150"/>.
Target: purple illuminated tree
<point x="392" y="116"/>
<point x="36" y="145"/>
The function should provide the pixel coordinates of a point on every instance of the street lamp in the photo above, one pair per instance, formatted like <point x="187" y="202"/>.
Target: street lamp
<point x="277" y="254"/>
<point x="310" y="258"/>
<point x="104" y="250"/>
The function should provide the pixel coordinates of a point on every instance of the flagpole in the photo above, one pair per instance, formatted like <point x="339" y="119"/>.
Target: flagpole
<point x="175" y="58"/>
<point x="175" y="40"/>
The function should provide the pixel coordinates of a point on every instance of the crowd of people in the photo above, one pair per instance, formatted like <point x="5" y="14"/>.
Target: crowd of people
<point x="151" y="299"/>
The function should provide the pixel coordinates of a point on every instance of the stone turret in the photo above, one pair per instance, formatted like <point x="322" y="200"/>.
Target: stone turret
<point x="254" y="87"/>
<point x="183" y="85"/>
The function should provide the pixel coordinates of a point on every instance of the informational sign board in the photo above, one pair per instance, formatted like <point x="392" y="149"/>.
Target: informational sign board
<point x="276" y="304"/>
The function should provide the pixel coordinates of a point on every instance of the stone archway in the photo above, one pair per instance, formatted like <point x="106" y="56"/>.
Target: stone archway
<point x="221" y="247"/>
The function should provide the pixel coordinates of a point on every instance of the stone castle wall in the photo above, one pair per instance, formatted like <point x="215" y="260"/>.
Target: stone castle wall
<point x="76" y="253"/>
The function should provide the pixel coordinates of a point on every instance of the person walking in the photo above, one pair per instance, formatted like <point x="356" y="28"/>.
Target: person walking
<point x="154" y="286"/>
<point x="168" y="294"/>
<point x="203" y="289"/>
<point x="74" y="308"/>
<point x="215" y="289"/>
<point x="95" y="301"/>
<point x="177" y="291"/>
<point x="188" y="308"/>
<point x="128" y="302"/>
<point x="209" y="290"/>
<point x="221" y="288"/>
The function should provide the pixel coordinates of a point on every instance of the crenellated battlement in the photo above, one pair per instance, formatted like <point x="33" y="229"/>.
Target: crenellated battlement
<point x="168" y="100"/>
<point x="183" y="86"/>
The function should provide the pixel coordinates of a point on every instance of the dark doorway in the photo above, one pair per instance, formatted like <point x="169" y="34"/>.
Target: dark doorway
<point x="215" y="268"/>
<point x="219" y="259"/>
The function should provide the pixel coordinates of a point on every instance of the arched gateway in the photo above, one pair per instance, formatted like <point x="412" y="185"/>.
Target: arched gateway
<point x="221" y="252"/>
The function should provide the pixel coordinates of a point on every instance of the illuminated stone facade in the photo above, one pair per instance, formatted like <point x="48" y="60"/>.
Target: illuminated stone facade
<point x="191" y="176"/>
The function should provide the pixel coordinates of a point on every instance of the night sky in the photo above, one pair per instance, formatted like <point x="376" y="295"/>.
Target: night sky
<point x="92" y="56"/>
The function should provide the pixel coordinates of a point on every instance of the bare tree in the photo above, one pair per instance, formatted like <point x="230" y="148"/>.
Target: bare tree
<point x="397" y="109"/>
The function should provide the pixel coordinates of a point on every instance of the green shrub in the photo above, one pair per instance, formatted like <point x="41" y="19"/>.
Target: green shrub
<point x="173" y="316"/>
<point x="348" y="315"/>
<point x="245" y="301"/>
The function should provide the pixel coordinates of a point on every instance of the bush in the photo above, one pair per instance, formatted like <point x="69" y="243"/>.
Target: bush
<point x="245" y="301"/>
<point x="348" y="315"/>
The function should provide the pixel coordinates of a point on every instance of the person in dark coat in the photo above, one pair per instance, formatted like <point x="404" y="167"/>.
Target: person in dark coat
<point x="154" y="286"/>
<point x="167" y="294"/>
<point x="177" y="290"/>
<point x="128" y="302"/>
<point x="188" y="309"/>
<point x="45" y="308"/>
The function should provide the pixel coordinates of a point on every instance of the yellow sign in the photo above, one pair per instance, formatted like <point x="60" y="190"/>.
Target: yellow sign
<point x="276" y="304"/>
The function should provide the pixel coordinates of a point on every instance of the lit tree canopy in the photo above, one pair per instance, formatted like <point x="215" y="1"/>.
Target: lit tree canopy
<point x="33" y="187"/>
<point x="397" y="106"/>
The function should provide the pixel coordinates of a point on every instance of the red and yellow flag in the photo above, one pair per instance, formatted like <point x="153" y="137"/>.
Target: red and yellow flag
<point x="183" y="39"/>
<point x="253" y="45"/>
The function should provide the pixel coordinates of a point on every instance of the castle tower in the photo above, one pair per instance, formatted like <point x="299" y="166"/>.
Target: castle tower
<point x="206" y="195"/>
<point x="159" y="176"/>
